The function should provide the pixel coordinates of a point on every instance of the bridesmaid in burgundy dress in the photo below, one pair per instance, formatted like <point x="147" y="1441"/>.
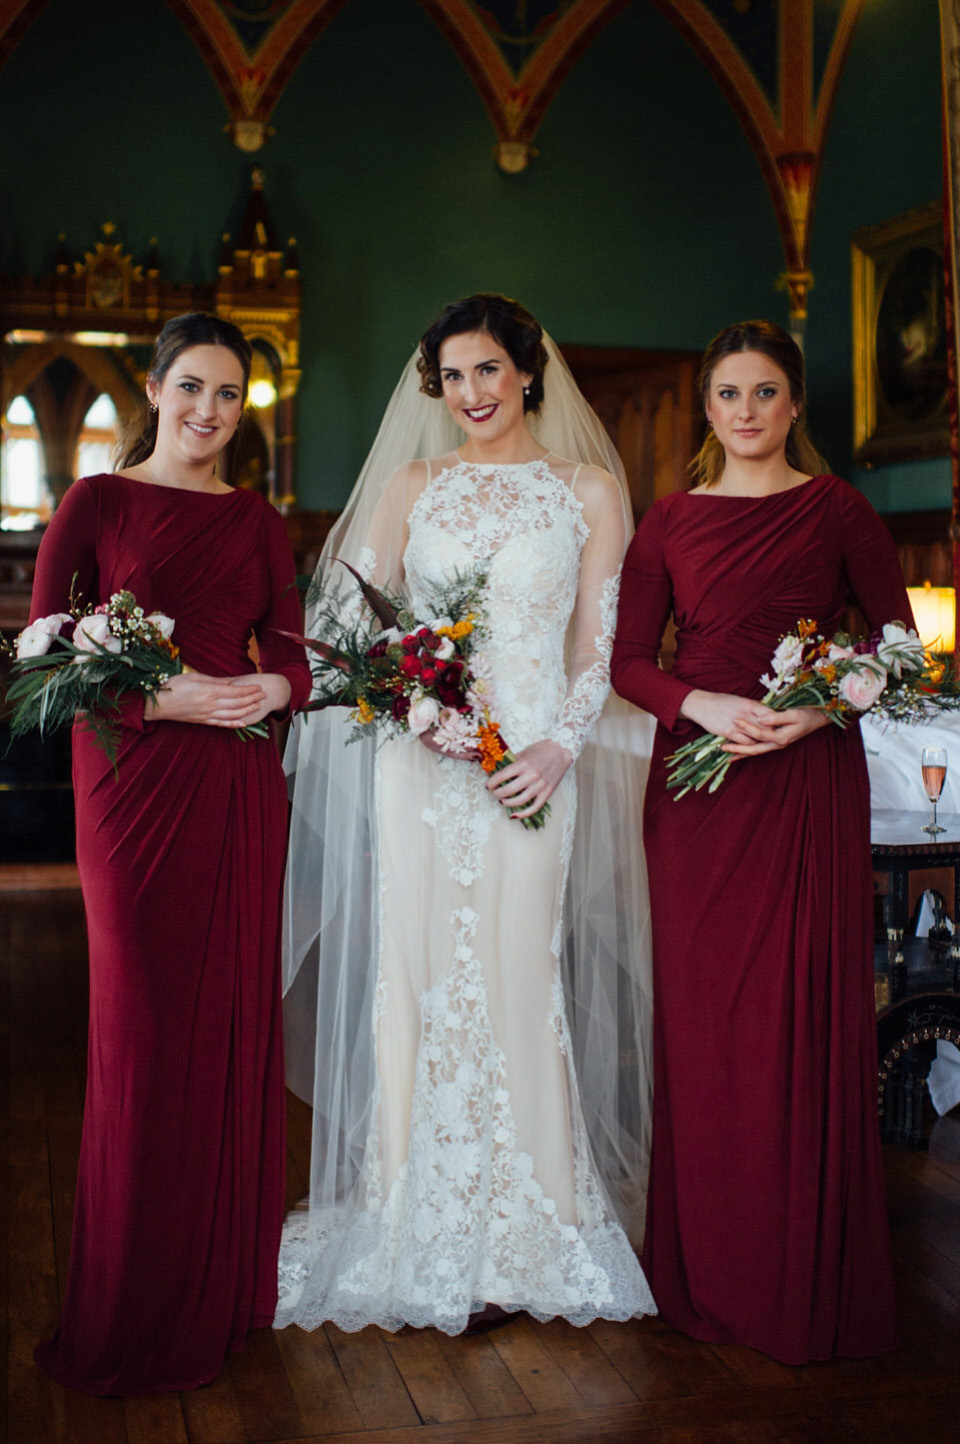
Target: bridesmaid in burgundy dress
<point x="767" y="1222"/>
<point x="180" y="1190"/>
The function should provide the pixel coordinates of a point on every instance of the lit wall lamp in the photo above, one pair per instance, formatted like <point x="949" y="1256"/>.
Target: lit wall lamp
<point x="263" y="393"/>
<point x="935" y="610"/>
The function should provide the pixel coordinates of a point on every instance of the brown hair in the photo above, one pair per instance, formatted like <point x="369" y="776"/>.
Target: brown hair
<point x="193" y="328"/>
<point x="510" y="325"/>
<point x="776" y="344"/>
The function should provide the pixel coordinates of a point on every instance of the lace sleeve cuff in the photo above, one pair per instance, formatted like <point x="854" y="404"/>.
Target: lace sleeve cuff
<point x="581" y="708"/>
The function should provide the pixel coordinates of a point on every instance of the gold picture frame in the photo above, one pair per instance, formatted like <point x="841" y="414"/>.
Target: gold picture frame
<point x="899" y="339"/>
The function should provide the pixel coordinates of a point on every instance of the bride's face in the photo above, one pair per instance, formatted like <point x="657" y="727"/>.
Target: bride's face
<point x="481" y="386"/>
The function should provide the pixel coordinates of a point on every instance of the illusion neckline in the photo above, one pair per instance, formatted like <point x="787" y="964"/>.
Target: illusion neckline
<point x="502" y="465"/>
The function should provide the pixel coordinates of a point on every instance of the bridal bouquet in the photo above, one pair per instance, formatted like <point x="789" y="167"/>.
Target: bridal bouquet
<point x="890" y="674"/>
<point x="400" y="675"/>
<point x="85" y="661"/>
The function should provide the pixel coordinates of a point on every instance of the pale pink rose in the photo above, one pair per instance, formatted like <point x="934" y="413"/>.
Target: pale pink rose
<point x="95" y="629"/>
<point x="839" y="654"/>
<point x="862" y="686"/>
<point x="163" y="623"/>
<point x="424" y="713"/>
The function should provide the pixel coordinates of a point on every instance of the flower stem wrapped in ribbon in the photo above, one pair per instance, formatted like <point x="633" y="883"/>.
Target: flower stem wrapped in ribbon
<point x="890" y="674"/>
<point x="86" y="662"/>
<point x="398" y="675"/>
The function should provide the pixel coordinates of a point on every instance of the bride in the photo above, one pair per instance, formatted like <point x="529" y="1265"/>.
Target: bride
<point x="468" y="1000"/>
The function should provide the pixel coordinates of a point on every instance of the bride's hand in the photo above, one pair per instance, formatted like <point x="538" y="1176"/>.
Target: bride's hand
<point x="528" y="781"/>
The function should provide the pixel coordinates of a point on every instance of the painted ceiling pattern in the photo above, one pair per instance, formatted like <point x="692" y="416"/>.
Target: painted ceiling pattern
<point x="778" y="62"/>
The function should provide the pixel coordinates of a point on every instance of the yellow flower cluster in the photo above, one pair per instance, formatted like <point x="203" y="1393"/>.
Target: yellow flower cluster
<point x="459" y="629"/>
<point x="364" y="712"/>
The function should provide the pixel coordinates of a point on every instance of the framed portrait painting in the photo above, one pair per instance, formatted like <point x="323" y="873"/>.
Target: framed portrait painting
<point x="899" y="339"/>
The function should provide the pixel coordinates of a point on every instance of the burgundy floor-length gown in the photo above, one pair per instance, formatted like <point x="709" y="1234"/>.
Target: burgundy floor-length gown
<point x="767" y="1219"/>
<point x="180" y="1190"/>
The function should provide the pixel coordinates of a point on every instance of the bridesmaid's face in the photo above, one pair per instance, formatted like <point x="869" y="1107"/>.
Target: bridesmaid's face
<point x="750" y="407"/>
<point x="481" y="386"/>
<point x="199" y="402"/>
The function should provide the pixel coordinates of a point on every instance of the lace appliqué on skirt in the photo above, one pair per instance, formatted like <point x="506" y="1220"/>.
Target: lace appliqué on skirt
<point x="465" y="1223"/>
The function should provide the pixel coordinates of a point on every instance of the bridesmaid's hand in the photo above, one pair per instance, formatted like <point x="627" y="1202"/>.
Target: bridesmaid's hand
<point x="785" y="727"/>
<point x="739" y="719"/>
<point x="528" y="781"/>
<point x="275" y="690"/>
<point x="218" y="701"/>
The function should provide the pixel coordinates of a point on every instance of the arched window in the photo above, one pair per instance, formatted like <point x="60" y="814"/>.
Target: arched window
<point x="98" y="438"/>
<point x="25" y="499"/>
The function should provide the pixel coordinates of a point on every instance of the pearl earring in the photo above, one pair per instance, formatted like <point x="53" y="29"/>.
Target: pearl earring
<point x="153" y="408"/>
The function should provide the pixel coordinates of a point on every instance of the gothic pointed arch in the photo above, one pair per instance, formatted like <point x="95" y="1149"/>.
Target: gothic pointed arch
<point x="251" y="56"/>
<point x="16" y="17"/>
<point x="787" y="131"/>
<point x="517" y="98"/>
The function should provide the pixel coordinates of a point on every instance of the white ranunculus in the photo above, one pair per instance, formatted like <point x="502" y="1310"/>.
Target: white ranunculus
<point x="162" y="622"/>
<point x="862" y="685"/>
<point x="55" y="623"/>
<point x="900" y="649"/>
<point x="34" y="641"/>
<point x="445" y="650"/>
<point x="94" y="630"/>
<point x="424" y="713"/>
<point x="30" y="642"/>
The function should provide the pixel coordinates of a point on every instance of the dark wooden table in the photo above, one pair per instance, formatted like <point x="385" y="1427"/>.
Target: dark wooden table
<point x="924" y="1002"/>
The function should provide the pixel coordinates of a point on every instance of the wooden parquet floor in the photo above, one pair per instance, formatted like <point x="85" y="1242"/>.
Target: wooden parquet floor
<point x="528" y="1383"/>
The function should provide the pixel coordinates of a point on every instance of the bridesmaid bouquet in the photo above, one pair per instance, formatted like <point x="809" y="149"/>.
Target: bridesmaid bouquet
<point x="890" y="673"/>
<point x="86" y="661"/>
<point x="398" y="675"/>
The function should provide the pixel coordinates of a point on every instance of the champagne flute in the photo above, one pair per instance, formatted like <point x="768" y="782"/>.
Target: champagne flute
<point x="933" y="765"/>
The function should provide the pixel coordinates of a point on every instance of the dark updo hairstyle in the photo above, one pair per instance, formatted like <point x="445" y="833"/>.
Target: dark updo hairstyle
<point x="506" y="321"/>
<point x="780" y="348"/>
<point x="194" y="328"/>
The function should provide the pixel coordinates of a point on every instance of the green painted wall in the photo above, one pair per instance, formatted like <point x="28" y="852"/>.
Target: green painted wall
<point x="883" y="156"/>
<point x="643" y="222"/>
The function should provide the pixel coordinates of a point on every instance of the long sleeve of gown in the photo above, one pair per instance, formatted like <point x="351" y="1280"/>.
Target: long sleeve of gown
<point x="67" y="568"/>
<point x="279" y="653"/>
<point x="646" y="601"/>
<point x="594" y="619"/>
<point x="871" y="563"/>
<point x="68" y="548"/>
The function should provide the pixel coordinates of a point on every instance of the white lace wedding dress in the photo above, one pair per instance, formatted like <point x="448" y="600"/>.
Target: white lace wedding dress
<point x="478" y="1183"/>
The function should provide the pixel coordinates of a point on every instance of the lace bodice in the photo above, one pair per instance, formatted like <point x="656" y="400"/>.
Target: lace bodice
<point x="524" y="524"/>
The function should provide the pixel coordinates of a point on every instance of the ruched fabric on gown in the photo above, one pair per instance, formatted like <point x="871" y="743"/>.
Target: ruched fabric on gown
<point x="180" y="1191"/>
<point x="767" y="1221"/>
